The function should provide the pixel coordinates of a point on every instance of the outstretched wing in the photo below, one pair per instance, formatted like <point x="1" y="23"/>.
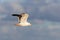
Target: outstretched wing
<point x="21" y="17"/>
<point x="24" y="17"/>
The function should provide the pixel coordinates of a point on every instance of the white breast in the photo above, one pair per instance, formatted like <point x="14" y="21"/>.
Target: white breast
<point x="25" y="24"/>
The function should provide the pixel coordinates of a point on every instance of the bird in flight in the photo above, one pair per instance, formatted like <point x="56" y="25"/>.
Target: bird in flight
<point x="22" y="19"/>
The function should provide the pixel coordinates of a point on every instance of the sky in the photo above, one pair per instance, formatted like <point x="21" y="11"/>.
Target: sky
<point x="44" y="17"/>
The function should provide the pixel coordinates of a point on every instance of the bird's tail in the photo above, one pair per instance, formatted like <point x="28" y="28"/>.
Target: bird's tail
<point x="15" y="14"/>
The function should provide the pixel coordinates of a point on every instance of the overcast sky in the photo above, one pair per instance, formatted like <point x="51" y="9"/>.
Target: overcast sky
<point x="44" y="17"/>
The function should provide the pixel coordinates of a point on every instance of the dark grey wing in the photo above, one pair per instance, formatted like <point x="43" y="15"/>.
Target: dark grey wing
<point x="19" y="17"/>
<point x="15" y="15"/>
<point x="22" y="17"/>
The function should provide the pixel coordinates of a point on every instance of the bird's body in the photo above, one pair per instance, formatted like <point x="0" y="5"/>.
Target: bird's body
<point x="22" y="19"/>
<point x="23" y="24"/>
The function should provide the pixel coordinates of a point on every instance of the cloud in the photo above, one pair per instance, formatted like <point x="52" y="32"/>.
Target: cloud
<point x="40" y="29"/>
<point x="49" y="11"/>
<point x="54" y="30"/>
<point x="17" y="8"/>
<point x="2" y="16"/>
<point x="36" y="31"/>
<point x="2" y="9"/>
<point x="4" y="29"/>
<point x="9" y="8"/>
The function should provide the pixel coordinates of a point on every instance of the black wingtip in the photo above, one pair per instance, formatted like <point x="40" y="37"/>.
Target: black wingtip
<point x="15" y="14"/>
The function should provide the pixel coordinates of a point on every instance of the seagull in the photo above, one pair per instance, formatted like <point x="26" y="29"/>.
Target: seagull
<point x="22" y="19"/>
